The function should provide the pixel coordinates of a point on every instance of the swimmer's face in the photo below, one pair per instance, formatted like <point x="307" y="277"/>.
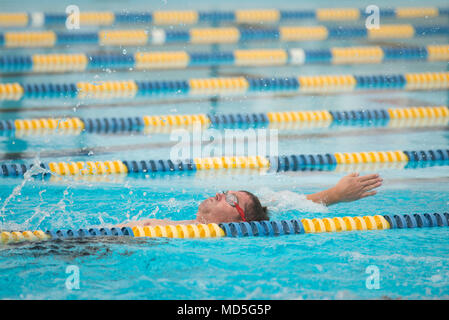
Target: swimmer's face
<point x="217" y="210"/>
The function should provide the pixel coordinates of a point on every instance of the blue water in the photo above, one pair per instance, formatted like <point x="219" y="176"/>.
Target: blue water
<point x="412" y="264"/>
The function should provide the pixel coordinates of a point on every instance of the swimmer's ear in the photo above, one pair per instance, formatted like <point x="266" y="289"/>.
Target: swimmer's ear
<point x="265" y="210"/>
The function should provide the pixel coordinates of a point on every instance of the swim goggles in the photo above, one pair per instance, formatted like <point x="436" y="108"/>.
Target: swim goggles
<point x="233" y="201"/>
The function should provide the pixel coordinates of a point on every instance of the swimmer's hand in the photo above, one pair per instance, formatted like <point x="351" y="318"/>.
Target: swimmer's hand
<point x="350" y="188"/>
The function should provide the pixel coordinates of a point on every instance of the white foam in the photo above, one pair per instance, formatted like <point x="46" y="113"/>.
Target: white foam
<point x="37" y="19"/>
<point x="158" y="36"/>
<point x="280" y="201"/>
<point x="297" y="56"/>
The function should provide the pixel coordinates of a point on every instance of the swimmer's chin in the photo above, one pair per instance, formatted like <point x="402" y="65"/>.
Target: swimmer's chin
<point x="201" y="216"/>
<point x="201" y="220"/>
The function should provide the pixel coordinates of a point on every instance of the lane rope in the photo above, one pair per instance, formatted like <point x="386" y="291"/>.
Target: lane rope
<point x="242" y="229"/>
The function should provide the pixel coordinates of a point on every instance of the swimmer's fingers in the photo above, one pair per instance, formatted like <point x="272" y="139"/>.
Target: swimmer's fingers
<point x="372" y="186"/>
<point x="368" y="177"/>
<point x="368" y="194"/>
<point x="371" y="182"/>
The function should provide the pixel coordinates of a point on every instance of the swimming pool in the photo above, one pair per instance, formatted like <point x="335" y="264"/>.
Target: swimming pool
<point x="412" y="263"/>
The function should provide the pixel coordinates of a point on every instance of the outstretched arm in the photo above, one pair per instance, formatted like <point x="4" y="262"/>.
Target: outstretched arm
<point x="350" y="188"/>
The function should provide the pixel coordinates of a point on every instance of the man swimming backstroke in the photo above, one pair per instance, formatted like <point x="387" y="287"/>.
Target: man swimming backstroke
<point x="238" y="206"/>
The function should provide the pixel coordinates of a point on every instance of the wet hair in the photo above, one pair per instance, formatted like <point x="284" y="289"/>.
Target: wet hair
<point x="254" y="211"/>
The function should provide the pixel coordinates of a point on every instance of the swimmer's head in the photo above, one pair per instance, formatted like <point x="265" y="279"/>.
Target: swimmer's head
<point x="217" y="209"/>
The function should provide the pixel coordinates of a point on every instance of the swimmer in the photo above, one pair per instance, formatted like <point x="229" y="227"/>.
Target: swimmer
<point x="238" y="206"/>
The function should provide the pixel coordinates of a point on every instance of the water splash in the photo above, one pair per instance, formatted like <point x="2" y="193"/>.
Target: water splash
<point x="35" y="169"/>
<point x="151" y="215"/>
<point x="281" y="201"/>
<point x="39" y="213"/>
<point x="64" y="220"/>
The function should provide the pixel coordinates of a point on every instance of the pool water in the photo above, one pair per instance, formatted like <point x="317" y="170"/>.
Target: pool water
<point x="412" y="263"/>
